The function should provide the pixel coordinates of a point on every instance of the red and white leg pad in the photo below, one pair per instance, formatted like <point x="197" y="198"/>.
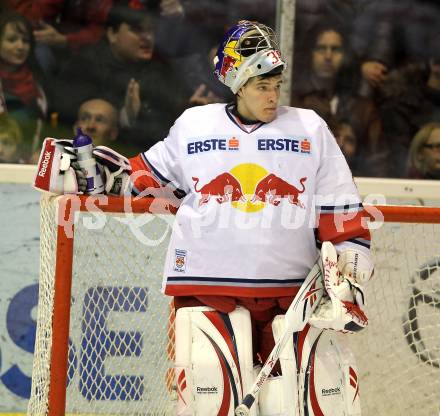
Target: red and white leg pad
<point x="327" y="377"/>
<point x="274" y="399"/>
<point x="278" y="396"/>
<point x="214" y="364"/>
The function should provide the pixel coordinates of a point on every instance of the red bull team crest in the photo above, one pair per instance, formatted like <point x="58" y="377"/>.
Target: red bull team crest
<point x="249" y="187"/>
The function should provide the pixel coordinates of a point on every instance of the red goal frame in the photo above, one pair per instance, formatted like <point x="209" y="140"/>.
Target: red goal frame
<point x="68" y="204"/>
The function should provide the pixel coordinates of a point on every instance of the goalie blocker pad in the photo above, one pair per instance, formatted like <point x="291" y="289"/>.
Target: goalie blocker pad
<point x="327" y="382"/>
<point x="214" y="363"/>
<point x="54" y="173"/>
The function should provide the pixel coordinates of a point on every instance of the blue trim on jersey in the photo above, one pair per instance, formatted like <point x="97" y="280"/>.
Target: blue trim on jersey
<point x="134" y="190"/>
<point x="337" y="209"/>
<point x="240" y="125"/>
<point x="232" y="281"/>
<point x="180" y="192"/>
<point x="357" y="241"/>
<point x="155" y="172"/>
<point x="360" y="241"/>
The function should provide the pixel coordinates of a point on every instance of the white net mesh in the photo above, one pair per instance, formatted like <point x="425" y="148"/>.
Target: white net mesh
<point x="120" y="355"/>
<point x="41" y="365"/>
<point x="119" y="320"/>
<point x="398" y="355"/>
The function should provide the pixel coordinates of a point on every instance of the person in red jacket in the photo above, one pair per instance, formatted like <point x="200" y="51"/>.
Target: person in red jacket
<point x="21" y="79"/>
<point x="64" y="24"/>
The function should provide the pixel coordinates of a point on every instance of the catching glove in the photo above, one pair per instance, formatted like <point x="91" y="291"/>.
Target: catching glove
<point x="342" y="307"/>
<point x="55" y="173"/>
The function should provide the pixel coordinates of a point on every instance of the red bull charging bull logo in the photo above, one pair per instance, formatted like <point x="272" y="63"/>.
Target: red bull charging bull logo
<point x="249" y="187"/>
<point x="223" y="188"/>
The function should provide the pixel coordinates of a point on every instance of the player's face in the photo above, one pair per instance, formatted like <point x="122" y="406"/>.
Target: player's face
<point x="14" y="45"/>
<point x="132" y="44"/>
<point x="430" y="152"/>
<point x="258" y="98"/>
<point x="328" y="55"/>
<point x="97" y="119"/>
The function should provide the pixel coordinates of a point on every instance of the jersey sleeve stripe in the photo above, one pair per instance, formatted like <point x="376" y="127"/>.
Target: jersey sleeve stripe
<point x="339" y="209"/>
<point x="360" y="241"/>
<point x="181" y="193"/>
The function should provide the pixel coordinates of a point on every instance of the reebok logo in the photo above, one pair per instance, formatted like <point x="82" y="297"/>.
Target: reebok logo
<point x="207" y="390"/>
<point x="355" y="265"/>
<point x="44" y="164"/>
<point x="331" y="391"/>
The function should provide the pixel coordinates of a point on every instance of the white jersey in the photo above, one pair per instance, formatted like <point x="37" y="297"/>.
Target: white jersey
<point x="246" y="226"/>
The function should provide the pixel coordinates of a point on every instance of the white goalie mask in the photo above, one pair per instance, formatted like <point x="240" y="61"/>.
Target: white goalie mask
<point x="248" y="49"/>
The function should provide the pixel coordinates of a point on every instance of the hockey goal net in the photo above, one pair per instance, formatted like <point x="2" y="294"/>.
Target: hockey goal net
<point x="104" y="340"/>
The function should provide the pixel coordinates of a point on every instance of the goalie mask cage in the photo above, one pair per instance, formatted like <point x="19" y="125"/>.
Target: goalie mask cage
<point x="104" y="343"/>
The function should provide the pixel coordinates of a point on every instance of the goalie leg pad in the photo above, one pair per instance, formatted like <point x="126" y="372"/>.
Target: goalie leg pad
<point x="277" y="396"/>
<point x="214" y="363"/>
<point x="271" y="399"/>
<point x="328" y="377"/>
<point x="326" y="382"/>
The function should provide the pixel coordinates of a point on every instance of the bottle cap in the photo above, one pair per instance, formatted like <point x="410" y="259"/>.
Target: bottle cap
<point x="81" y="139"/>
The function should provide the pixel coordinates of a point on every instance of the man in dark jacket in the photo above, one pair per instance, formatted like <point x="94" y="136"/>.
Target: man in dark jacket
<point x="123" y="70"/>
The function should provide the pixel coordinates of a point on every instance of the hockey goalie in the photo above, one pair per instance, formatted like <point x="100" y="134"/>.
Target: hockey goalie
<point x="259" y="189"/>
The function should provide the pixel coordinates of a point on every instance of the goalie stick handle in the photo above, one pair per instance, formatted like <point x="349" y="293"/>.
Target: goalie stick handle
<point x="296" y="319"/>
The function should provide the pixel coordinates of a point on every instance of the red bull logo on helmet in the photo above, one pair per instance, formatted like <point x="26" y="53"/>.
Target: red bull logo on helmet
<point x="250" y="187"/>
<point x="227" y="65"/>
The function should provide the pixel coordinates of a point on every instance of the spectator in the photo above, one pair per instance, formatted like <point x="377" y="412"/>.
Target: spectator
<point x="63" y="26"/>
<point x="311" y="13"/>
<point x="260" y="10"/>
<point x="171" y="32"/>
<point x="24" y="96"/>
<point x="98" y="119"/>
<point x="424" y="153"/>
<point x="198" y="80"/>
<point x="327" y="84"/>
<point x="346" y="132"/>
<point x="122" y="70"/>
<point x="10" y="140"/>
<point x="390" y="35"/>
<point x="411" y="98"/>
<point x="206" y="20"/>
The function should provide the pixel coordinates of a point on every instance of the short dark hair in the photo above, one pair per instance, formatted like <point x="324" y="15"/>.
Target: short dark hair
<point x="274" y="72"/>
<point x="136" y="18"/>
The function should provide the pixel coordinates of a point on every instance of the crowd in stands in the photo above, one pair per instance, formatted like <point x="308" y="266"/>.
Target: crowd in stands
<point x="124" y="70"/>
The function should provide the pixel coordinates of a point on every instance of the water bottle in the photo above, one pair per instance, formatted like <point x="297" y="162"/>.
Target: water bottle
<point x="83" y="148"/>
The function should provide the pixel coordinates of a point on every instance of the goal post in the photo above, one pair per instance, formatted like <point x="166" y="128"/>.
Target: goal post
<point x="98" y="253"/>
<point x="105" y="336"/>
<point x="398" y="355"/>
